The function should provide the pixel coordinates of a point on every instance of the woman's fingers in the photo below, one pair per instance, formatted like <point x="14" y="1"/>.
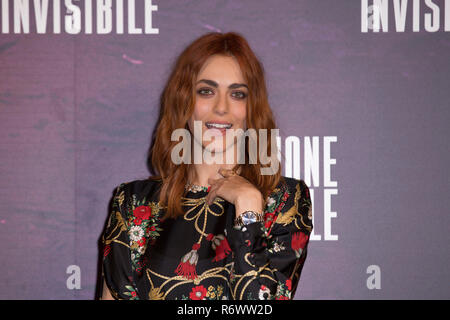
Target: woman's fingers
<point x="214" y="186"/>
<point x="231" y="181"/>
<point x="226" y="173"/>
<point x="222" y="171"/>
<point x="211" y="195"/>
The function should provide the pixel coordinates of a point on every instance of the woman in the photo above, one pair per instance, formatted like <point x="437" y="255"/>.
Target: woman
<point x="201" y="229"/>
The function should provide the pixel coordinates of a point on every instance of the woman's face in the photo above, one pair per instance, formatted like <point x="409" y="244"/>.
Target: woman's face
<point x="220" y="101"/>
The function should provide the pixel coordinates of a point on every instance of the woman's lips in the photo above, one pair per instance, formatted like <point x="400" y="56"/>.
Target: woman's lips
<point x="218" y="128"/>
<point x="218" y="125"/>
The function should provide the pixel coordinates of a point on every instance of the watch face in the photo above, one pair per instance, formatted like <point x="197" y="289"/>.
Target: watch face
<point x="248" y="217"/>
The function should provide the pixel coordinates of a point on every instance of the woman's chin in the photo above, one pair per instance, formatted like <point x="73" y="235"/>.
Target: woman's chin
<point x="212" y="148"/>
<point x="218" y="147"/>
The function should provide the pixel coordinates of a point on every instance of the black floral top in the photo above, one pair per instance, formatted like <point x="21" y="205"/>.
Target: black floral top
<point x="202" y="255"/>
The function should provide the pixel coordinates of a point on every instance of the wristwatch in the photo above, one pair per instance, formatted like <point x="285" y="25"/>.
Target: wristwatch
<point x="248" y="217"/>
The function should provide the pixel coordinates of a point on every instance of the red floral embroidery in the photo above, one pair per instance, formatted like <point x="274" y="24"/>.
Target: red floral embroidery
<point x="131" y="293"/>
<point x="141" y="242"/>
<point x="270" y="217"/>
<point x="289" y="284"/>
<point x="298" y="242"/>
<point x="220" y="245"/>
<point x="142" y="213"/>
<point x="222" y="250"/>
<point x="198" y="293"/>
<point x="268" y="220"/>
<point x="282" y="298"/>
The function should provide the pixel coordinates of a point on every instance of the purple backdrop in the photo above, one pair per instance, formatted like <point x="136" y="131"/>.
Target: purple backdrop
<point x="77" y="113"/>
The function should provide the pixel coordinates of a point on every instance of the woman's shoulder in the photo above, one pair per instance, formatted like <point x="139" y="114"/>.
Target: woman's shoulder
<point x="140" y="188"/>
<point x="290" y="192"/>
<point x="293" y="185"/>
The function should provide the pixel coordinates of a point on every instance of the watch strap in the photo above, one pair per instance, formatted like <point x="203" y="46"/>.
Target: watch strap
<point x="258" y="217"/>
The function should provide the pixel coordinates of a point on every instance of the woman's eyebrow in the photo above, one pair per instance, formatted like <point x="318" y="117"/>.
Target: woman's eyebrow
<point x="215" y="84"/>
<point x="237" y="85"/>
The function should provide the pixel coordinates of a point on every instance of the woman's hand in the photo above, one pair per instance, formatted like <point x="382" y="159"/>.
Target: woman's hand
<point x="236" y="190"/>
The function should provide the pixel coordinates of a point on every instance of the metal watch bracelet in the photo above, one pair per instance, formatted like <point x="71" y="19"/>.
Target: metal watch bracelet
<point x="248" y="217"/>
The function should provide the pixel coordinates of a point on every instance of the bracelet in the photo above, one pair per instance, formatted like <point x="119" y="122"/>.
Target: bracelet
<point x="248" y="217"/>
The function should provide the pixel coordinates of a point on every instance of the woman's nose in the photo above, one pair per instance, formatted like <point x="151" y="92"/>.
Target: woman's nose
<point x="221" y="105"/>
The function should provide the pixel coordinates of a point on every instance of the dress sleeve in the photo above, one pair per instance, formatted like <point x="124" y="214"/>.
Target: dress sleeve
<point x="116" y="267"/>
<point x="269" y="256"/>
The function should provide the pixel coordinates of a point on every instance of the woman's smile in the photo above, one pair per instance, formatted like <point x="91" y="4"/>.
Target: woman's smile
<point x="218" y="127"/>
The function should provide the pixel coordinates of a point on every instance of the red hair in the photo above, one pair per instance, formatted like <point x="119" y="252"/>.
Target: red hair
<point x="177" y="106"/>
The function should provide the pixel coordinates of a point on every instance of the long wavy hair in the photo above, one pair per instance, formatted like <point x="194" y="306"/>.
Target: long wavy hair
<point x="177" y="106"/>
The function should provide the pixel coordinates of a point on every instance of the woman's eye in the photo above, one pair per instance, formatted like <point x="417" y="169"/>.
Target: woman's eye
<point x="204" y="91"/>
<point x="239" y="94"/>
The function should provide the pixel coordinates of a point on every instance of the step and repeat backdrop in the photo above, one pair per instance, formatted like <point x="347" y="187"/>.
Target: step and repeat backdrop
<point x="359" y="89"/>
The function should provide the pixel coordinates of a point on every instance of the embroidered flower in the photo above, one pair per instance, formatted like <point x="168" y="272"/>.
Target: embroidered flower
<point x="136" y="233"/>
<point x="131" y="293"/>
<point x="289" y="284"/>
<point x="214" y="293"/>
<point x="276" y="247"/>
<point x="270" y="201"/>
<point x="283" y="290"/>
<point x="198" y="293"/>
<point x="142" y="213"/>
<point x="219" y="290"/>
<point x="220" y="244"/>
<point x="141" y="242"/>
<point x="298" y="242"/>
<point x="264" y="293"/>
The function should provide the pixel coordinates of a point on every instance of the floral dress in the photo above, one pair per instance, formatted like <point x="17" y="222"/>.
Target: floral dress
<point x="201" y="255"/>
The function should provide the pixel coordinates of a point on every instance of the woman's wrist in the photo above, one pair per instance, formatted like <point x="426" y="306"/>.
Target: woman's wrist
<point x="249" y="201"/>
